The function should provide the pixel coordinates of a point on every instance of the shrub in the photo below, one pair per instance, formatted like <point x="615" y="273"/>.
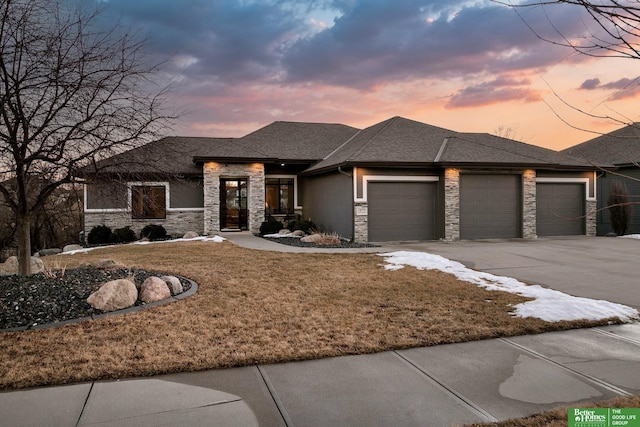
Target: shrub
<point x="619" y="207"/>
<point x="99" y="235"/>
<point x="123" y="235"/>
<point x="270" y="226"/>
<point x="300" y="224"/>
<point x="154" y="232"/>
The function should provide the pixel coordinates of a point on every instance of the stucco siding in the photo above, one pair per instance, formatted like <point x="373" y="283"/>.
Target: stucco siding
<point x="328" y="202"/>
<point x="187" y="193"/>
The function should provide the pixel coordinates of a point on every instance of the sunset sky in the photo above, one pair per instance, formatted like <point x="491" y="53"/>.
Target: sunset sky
<point x="474" y="66"/>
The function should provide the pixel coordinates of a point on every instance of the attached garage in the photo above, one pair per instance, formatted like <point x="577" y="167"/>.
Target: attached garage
<point x="490" y="206"/>
<point x="560" y="209"/>
<point x="401" y="210"/>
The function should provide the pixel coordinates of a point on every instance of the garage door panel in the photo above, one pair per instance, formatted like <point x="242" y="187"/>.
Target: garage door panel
<point x="490" y="206"/>
<point x="560" y="209"/>
<point x="401" y="211"/>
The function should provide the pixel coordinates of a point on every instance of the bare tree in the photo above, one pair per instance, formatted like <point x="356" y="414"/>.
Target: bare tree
<point x="70" y="92"/>
<point x="615" y="28"/>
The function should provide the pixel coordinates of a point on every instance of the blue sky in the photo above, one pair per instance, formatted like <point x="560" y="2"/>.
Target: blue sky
<point x="467" y="65"/>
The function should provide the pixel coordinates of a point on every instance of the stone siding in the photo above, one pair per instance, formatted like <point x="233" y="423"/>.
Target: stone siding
<point x="529" y="204"/>
<point x="592" y="210"/>
<point x="361" y="222"/>
<point x="452" y="204"/>
<point x="254" y="173"/>
<point x="176" y="223"/>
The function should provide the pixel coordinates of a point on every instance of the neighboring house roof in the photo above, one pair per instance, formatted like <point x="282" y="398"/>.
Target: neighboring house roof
<point x="620" y="147"/>
<point x="400" y="141"/>
<point x="288" y="142"/>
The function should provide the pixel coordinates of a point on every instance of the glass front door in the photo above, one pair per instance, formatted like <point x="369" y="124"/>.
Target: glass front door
<point x="233" y="203"/>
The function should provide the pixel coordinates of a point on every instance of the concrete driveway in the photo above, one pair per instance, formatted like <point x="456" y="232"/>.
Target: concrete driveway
<point x="592" y="267"/>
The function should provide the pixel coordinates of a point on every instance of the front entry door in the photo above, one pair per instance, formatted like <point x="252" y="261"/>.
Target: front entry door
<point x="233" y="203"/>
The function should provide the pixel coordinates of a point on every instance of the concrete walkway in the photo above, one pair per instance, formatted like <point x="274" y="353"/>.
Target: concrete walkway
<point x="434" y="386"/>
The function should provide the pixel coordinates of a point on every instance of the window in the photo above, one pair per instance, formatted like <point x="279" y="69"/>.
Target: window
<point x="279" y="196"/>
<point x="148" y="202"/>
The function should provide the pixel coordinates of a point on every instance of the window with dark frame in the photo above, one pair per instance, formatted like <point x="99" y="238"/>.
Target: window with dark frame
<point x="148" y="202"/>
<point x="279" y="196"/>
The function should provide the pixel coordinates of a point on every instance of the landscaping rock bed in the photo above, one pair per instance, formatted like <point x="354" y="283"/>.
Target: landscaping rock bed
<point x="295" y="241"/>
<point x="42" y="298"/>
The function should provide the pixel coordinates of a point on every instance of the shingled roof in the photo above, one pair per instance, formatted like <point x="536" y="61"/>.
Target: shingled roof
<point x="620" y="147"/>
<point x="169" y="155"/>
<point x="290" y="142"/>
<point x="399" y="141"/>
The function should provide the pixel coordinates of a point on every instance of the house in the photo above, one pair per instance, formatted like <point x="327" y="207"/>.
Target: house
<point x="396" y="180"/>
<point x="616" y="154"/>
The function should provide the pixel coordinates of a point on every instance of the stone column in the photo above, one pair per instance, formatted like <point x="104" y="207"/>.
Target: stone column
<point x="451" y="204"/>
<point x="529" y="204"/>
<point x="256" y="205"/>
<point x="591" y="217"/>
<point x="361" y="222"/>
<point x="211" y="183"/>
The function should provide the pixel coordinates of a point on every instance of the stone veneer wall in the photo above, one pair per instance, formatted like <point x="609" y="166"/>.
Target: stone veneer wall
<point x="361" y="222"/>
<point x="213" y="171"/>
<point x="592" y="210"/>
<point x="451" y="204"/>
<point x="529" y="204"/>
<point x="177" y="222"/>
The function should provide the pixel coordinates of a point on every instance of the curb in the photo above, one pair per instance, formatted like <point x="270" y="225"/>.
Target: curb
<point x="192" y="290"/>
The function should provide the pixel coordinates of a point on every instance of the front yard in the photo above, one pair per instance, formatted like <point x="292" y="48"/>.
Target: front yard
<point x="261" y="307"/>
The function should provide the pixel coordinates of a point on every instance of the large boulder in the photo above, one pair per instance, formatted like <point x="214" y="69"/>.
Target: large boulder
<point x="51" y="251"/>
<point x="11" y="266"/>
<point x="174" y="284"/>
<point x="69" y="248"/>
<point x="114" y="295"/>
<point x="312" y="238"/>
<point x="154" y="289"/>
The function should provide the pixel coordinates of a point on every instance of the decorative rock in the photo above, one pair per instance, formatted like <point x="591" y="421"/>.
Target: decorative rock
<point x="114" y="295"/>
<point x="190" y="235"/>
<point x="284" y="231"/>
<point x="37" y="266"/>
<point x="299" y="233"/>
<point x="11" y="267"/>
<point x="70" y="248"/>
<point x="154" y="289"/>
<point x="47" y="252"/>
<point x="105" y="264"/>
<point x="174" y="284"/>
<point x="313" y="238"/>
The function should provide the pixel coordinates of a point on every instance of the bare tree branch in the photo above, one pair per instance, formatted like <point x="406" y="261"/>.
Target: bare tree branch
<point x="70" y="92"/>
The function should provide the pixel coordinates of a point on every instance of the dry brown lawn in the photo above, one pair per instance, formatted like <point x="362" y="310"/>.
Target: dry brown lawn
<point x="558" y="417"/>
<point x="260" y="307"/>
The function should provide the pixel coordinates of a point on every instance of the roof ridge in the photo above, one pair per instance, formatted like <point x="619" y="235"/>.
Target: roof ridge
<point x="342" y="145"/>
<point x="443" y="147"/>
<point x="386" y="125"/>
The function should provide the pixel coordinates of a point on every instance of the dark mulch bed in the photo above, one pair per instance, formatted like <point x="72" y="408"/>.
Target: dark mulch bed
<point x="294" y="241"/>
<point x="40" y="299"/>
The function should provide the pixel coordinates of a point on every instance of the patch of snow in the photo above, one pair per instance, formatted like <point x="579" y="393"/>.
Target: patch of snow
<point x="215" y="239"/>
<point x="278" y="236"/>
<point x="631" y="236"/>
<point x="548" y="305"/>
<point x="83" y="250"/>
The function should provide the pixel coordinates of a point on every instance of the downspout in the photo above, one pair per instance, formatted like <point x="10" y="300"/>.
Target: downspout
<point x="343" y="172"/>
